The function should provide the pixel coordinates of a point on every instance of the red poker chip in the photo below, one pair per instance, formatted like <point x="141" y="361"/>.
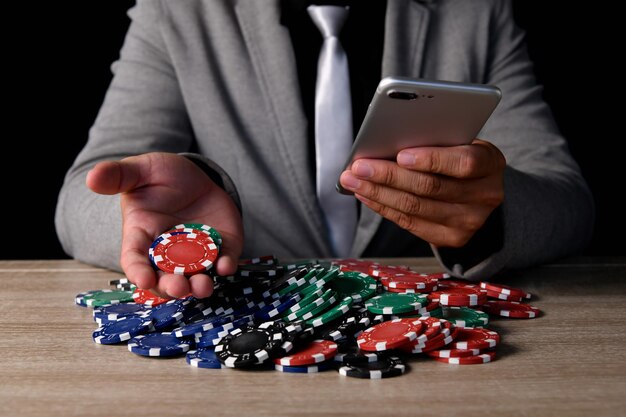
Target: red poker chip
<point x="355" y="265"/>
<point x="489" y="356"/>
<point x="455" y="282"/>
<point x="402" y="290"/>
<point x="475" y="338"/>
<point x="504" y="297"/>
<point x="460" y="296"/>
<point x="146" y="297"/>
<point x="453" y="353"/>
<point x="510" y="309"/>
<point x="505" y="290"/>
<point x="389" y="334"/>
<point x="380" y="271"/>
<point x="315" y="352"/>
<point x="442" y="339"/>
<point x="185" y="254"/>
<point x="409" y="280"/>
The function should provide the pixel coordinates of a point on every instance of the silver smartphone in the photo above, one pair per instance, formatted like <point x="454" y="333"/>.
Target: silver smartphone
<point x="407" y="113"/>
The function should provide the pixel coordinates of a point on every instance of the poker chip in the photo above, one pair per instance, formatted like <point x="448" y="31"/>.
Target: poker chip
<point x="326" y="278"/>
<point x="271" y="311"/>
<point x="465" y="317"/>
<point x="511" y="309"/>
<point x="123" y="329"/>
<point x="389" y="334"/>
<point x="332" y="314"/>
<point x="116" y="311"/>
<point x="475" y="339"/>
<point x="460" y="296"/>
<point x="356" y="356"/>
<point x="488" y="356"/>
<point x="505" y="290"/>
<point x="250" y="345"/>
<point x="309" y="369"/>
<point x="162" y="344"/>
<point x="79" y="299"/>
<point x="185" y="254"/>
<point x="453" y="353"/>
<point x="104" y="297"/>
<point x="308" y="299"/>
<point x="392" y="303"/>
<point x="215" y="235"/>
<point x="216" y="323"/>
<point x="356" y="285"/>
<point x="203" y="358"/>
<point x="168" y="314"/>
<point x="384" y="368"/>
<point x="146" y="297"/>
<point x="305" y="312"/>
<point x="319" y="309"/>
<point x="315" y="352"/>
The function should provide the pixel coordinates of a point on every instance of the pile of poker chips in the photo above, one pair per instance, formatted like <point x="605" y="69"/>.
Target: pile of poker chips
<point x="362" y="318"/>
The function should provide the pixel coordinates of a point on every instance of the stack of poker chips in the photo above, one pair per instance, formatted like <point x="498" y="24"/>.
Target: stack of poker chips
<point x="358" y="317"/>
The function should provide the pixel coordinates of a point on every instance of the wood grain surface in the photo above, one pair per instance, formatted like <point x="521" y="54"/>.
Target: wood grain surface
<point x="570" y="362"/>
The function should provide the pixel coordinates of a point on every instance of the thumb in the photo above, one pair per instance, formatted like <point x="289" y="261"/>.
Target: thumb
<point x="113" y="177"/>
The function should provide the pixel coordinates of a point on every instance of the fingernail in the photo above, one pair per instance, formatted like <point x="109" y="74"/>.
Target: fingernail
<point x="406" y="158"/>
<point x="362" y="169"/>
<point x="350" y="182"/>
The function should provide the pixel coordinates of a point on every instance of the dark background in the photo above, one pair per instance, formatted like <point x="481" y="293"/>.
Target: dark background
<point x="58" y="57"/>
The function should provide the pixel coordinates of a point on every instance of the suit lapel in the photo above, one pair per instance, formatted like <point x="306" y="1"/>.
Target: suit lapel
<point x="271" y="52"/>
<point x="406" y="24"/>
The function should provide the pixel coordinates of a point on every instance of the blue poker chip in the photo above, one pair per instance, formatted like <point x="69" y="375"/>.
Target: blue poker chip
<point x="168" y="314"/>
<point x="213" y="338"/>
<point x="204" y="358"/>
<point x="215" y="324"/>
<point x="114" y="312"/>
<point x="320" y="367"/>
<point x="271" y="311"/>
<point x="158" y="345"/>
<point x="123" y="329"/>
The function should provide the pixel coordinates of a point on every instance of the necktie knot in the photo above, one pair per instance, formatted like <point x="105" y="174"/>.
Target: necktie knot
<point x="328" y="19"/>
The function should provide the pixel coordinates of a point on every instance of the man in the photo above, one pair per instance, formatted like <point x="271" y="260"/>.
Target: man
<point x="212" y="101"/>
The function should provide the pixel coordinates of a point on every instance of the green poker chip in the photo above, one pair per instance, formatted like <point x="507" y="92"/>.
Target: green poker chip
<point x="357" y="285"/>
<point x="396" y="303"/>
<point x="319" y="309"/>
<point x="215" y="235"/>
<point x="101" y="298"/>
<point x="311" y="306"/>
<point x="332" y="314"/>
<point x="308" y="299"/>
<point x="465" y="317"/>
<point x="325" y="279"/>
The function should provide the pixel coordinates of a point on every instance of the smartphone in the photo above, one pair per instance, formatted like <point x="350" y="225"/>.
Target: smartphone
<point x="407" y="113"/>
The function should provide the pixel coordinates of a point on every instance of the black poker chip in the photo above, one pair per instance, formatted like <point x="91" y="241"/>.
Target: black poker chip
<point x="352" y="355"/>
<point x="384" y="368"/>
<point x="253" y="345"/>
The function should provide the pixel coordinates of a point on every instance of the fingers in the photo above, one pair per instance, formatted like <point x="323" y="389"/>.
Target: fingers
<point x="437" y="234"/>
<point x="134" y="258"/>
<point x="179" y="286"/>
<point x="477" y="160"/>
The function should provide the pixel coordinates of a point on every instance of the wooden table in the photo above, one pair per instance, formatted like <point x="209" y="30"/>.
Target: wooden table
<point x="569" y="362"/>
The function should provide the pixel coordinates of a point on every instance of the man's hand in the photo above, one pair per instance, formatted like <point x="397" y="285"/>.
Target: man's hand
<point x="440" y="194"/>
<point x="158" y="191"/>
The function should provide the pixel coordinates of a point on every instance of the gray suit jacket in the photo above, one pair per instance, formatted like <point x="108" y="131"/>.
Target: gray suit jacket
<point x="219" y="77"/>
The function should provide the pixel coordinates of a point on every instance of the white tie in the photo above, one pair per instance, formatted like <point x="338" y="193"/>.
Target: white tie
<point x="333" y="127"/>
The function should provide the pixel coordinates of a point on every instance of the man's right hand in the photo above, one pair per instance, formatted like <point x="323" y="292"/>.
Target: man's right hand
<point x="158" y="191"/>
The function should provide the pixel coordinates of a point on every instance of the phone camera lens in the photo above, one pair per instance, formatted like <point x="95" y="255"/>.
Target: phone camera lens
<point x="402" y="95"/>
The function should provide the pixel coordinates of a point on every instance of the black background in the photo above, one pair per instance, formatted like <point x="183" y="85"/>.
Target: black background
<point x="57" y="58"/>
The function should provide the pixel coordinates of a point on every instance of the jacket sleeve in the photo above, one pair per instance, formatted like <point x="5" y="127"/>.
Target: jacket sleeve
<point x="143" y="111"/>
<point x="548" y="210"/>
